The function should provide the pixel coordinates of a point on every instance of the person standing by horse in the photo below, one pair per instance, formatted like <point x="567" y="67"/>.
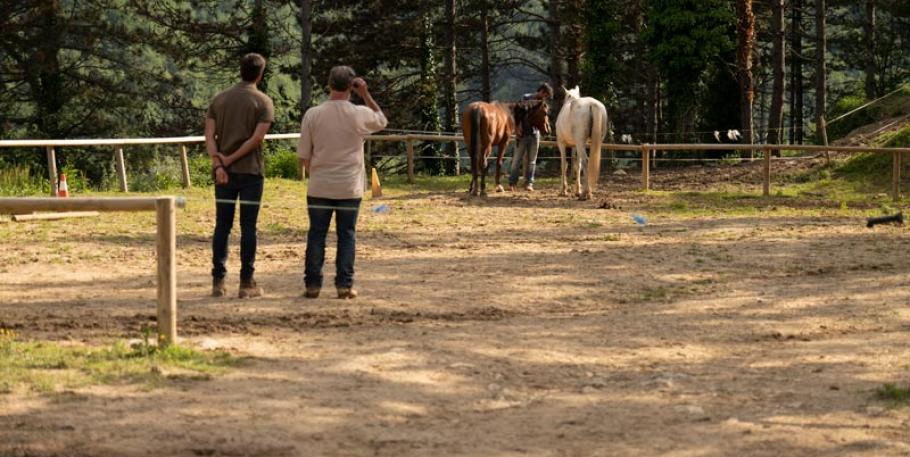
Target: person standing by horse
<point x="528" y="143"/>
<point x="235" y="126"/>
<point x="331" y="151"/>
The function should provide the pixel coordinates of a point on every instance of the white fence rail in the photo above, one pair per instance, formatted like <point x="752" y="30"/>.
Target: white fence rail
<point x="646" y="151"/>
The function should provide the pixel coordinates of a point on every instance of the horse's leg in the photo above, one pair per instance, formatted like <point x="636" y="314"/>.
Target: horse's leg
<point x="576" y="170"/>
<point x="473" y="186"/>
<point x="584" y="191"/>
<point x="485" y="155"/>
<point x="501" y="155"/>
<point x="562" y="168"/>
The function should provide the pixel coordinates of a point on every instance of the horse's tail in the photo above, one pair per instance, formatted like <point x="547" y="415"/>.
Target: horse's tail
<point x="474" y="147"/>
<point x="597" y="121"/>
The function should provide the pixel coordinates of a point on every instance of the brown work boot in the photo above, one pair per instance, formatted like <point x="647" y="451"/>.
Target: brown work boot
<point x="311" y="292"/>
<point x="346" y="293"/>
<point x="218" y="288"/>
<point x="249" y="289"/>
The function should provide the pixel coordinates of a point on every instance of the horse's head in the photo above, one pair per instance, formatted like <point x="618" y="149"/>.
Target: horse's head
<point x="531" y="114"/>
<point x="573" y="93"/>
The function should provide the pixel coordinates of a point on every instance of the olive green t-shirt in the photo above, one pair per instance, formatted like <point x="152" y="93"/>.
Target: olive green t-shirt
<point x="236" y="112"/>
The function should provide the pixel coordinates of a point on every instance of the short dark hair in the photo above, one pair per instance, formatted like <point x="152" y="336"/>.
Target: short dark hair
<point x="545" y="88"/>
<point x="251" y="66"/>
<point x="341" y="78"/>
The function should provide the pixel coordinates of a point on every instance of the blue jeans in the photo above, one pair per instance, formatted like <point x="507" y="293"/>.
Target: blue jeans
<point x="320" y="211"/>
<point x="248" y="189"/>
<point x="525" y="145"/>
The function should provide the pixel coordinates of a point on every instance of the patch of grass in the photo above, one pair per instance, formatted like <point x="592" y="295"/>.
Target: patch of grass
<point x="18" y="181"/>
<point x="49" y="366"/>
<point x="894" y="394"/>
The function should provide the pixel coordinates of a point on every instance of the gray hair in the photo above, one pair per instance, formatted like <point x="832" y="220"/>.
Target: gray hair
<point x="341" y="77"/>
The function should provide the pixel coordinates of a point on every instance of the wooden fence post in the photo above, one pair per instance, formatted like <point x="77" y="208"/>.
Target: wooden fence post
<point x="766" y="172"/>
<point x="185" y="166"/>
<point x="645" y="167"/>
<point x="896" y="175"/>
<point x="52" y="169"/>
<point x="121" y="170"/>
<point x="457" y="158"/>
<point x="410" y="149"/>
<point x="165" y="209"/>
<point x="367" y="164"/>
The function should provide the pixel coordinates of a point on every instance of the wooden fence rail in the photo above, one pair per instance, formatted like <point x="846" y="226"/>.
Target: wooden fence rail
<point x="646" y="151"/>
<point x="166" y="241"/>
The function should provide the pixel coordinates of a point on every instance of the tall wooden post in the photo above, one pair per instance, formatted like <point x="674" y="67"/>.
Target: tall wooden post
<point x="367" y="164"/>
<point x="766" y="171"/>
<point x="645" y="167"/>
<point x="410" y="149"/>
<point x="457" y="159"/>
<point x="121" y="170"/>
<point x="896" y="175"/>
<point x="185" y="167"/>
<point x="52" y="169"/>
<point x="165" y="209"/>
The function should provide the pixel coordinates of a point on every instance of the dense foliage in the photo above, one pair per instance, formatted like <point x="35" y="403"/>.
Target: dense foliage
<point x="666" y="69"/>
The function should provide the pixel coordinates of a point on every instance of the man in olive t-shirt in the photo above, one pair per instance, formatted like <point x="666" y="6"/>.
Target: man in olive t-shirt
<point x="235" y="127"/>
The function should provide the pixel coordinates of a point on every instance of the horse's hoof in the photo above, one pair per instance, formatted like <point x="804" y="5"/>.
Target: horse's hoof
<point x="500" y="189"/>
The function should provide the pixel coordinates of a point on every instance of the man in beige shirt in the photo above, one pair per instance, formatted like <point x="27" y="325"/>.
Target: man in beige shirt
<point x="331" y="151"/>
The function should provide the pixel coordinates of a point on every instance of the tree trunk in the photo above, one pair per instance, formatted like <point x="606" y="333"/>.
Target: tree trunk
<point x="821" y="83"/>
<point x="555" y="48"/>
<point x="869" y="27"/>
<point x="486" y="89"/>
<point x="746" y="41"/>
<point x="451" y="85"/>
<point x="573" y="17"/>
<point x="306" y="55"/>
<point x="427" y="94"/>
<point x="258" y="38"/>
<point x="45" y="78"/>
<point x="796" y="64"/>
<point x="776" y="119"/>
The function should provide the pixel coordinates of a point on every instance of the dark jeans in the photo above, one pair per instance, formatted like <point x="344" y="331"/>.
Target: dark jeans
<point x="248" y="189"/>
<point x="320" y="211"/>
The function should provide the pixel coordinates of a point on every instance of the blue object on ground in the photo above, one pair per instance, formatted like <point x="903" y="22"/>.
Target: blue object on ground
<point x="382" y="209"/>
<point x="639" y="219"/>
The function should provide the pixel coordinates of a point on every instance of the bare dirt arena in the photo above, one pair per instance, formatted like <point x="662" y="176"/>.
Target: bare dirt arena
<point x="521" y="325"/>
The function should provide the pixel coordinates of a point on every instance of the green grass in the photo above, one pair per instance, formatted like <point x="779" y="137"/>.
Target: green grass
<point x="49" y="366"/>
<point x="898" y="396"/>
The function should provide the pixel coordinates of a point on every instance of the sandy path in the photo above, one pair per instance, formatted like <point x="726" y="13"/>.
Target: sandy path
<point x="508" y="327"/>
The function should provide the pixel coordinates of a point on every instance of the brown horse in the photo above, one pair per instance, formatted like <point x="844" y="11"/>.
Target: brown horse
<point x="492" y="124"/>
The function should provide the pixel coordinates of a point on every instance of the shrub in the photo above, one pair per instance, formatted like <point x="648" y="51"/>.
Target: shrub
<point x="163" y="173"/>
<point x="281" y="163"/>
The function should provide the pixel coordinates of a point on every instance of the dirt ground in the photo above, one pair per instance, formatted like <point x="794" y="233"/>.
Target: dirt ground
<point x="523" y="324"/>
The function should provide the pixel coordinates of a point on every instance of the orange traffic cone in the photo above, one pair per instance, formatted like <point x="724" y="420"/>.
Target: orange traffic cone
<point x="62" y="189"/>
<point x="375" y="185"/>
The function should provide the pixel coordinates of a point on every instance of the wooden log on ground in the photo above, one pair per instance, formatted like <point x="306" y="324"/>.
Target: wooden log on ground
<point x="53" y="216"/>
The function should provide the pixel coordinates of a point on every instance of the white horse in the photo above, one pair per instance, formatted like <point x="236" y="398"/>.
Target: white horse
<point x="580" y="120"/>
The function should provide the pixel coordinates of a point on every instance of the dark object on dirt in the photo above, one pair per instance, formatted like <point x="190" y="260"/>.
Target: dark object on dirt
<point x="892" y="219"/>
<point x="607" y="204"/>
